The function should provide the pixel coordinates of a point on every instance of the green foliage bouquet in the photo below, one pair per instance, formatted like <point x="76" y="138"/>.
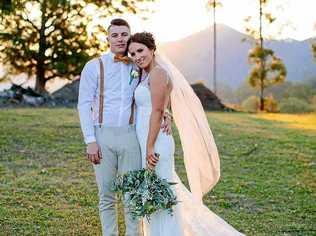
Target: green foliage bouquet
<point x="146" y="193"/>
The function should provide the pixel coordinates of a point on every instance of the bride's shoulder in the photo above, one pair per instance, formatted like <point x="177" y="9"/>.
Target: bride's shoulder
<point x="159" y="75"/>
<point x="159" y="72"/>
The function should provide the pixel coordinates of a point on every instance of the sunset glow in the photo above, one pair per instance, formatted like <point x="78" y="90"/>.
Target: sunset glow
<point x="175" y="19"/>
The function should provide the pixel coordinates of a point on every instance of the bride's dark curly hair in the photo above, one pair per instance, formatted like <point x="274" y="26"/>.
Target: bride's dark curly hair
<point x="145" y="38"/>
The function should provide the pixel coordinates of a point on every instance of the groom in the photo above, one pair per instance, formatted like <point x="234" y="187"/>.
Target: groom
<point x="106" y="117"/>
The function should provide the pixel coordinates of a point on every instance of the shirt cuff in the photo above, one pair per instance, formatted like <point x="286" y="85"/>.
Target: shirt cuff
<point x="89" y="139"/>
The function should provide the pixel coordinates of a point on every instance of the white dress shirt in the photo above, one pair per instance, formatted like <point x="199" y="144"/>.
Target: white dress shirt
<point x="118" y="94"/>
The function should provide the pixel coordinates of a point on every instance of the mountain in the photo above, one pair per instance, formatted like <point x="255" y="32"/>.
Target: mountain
<point x="193" y="56"/>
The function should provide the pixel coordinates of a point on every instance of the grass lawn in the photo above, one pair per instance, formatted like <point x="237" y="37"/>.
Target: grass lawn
<point x="267" y="185"/>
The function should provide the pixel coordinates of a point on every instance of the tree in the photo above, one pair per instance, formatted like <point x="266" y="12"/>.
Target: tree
<point x="49" y="38"/>
<point x="214" y="4"/>
<point x="267" y="69"/>
<point x="5" y="5"/>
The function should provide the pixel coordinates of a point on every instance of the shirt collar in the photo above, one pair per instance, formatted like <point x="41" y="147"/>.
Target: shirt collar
<point x="111" y="54"/>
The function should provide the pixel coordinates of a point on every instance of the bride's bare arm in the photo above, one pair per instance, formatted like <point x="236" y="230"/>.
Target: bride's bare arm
<point x="159" y="93"/>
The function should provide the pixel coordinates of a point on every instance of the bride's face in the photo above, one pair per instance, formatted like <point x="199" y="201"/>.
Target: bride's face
<point x="141" y="55"/>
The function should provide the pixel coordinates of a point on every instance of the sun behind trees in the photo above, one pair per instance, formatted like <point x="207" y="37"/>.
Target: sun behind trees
<point x="48" y="38"/>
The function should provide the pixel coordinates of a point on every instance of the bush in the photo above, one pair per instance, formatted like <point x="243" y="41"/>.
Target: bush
<point x="270" y="104"/>
<point x="313" y="102"/>
<point x="251" y="104"/>
<point x="300" y="91"/>
<point x="294" y="105"/>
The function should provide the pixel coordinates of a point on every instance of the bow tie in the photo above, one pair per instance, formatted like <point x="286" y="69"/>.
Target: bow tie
<point x="124" y="59"/>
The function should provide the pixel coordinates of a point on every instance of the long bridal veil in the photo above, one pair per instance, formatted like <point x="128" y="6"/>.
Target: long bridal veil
<point x="200" y="158"/>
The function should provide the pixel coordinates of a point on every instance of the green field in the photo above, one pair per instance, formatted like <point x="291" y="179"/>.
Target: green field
<point x="267" y="185"/>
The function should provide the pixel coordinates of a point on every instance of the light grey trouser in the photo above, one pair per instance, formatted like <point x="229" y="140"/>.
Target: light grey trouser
<point x="120" y="153"/>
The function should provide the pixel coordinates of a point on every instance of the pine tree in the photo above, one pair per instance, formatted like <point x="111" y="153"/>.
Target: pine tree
<point x="267" y="69"/>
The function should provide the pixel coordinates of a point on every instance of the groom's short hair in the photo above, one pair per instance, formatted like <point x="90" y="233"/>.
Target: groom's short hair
<point x="118" y="22"/>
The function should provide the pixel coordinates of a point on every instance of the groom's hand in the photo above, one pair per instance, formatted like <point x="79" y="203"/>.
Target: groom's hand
<point x="166" y="125"/>
<point x="94" y="153"/>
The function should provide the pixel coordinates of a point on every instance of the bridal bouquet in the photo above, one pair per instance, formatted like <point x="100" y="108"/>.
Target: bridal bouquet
<point x="146" y="193"/>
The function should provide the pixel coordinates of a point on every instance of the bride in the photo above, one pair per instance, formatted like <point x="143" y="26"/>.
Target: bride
<point x="160" y="83"/>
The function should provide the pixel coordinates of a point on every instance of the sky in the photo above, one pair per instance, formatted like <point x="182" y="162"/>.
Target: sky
<point x="175" y="19"/>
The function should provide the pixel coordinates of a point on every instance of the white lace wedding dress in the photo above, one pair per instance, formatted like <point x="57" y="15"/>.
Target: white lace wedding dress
<point x="191" y="217"/>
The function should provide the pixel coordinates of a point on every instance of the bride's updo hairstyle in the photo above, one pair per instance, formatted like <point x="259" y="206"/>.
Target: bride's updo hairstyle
<point x="143" y="38"/>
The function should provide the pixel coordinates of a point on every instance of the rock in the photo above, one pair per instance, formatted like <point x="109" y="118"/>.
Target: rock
<point x="33" y="101"/>
<point x="6" y="94"/>
<point x="67" y="95"/>
<point x="209" y="100"/>
<point x="19" y="90"/>
<point x="19" y="96"/>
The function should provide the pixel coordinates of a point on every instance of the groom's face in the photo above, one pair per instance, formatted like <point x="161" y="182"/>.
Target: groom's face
<point x="118" y="38"/>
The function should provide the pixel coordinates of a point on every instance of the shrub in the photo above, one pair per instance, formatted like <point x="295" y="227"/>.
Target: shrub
<point x="251" y="104"/>
<point x="270" y="104"/>
<point x="294" y="105"/>
<point x="313" y="102"/>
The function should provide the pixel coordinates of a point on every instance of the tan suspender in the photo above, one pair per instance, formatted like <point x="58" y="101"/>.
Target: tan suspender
<point x="101" y="97"/>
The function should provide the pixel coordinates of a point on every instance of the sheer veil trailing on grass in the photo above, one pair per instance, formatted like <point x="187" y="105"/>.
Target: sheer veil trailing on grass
<point x="200" y="157"/>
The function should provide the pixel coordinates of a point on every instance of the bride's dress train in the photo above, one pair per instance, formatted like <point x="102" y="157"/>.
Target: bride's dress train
<point x="190" y="217"/>
<point x="197" y="219"/>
